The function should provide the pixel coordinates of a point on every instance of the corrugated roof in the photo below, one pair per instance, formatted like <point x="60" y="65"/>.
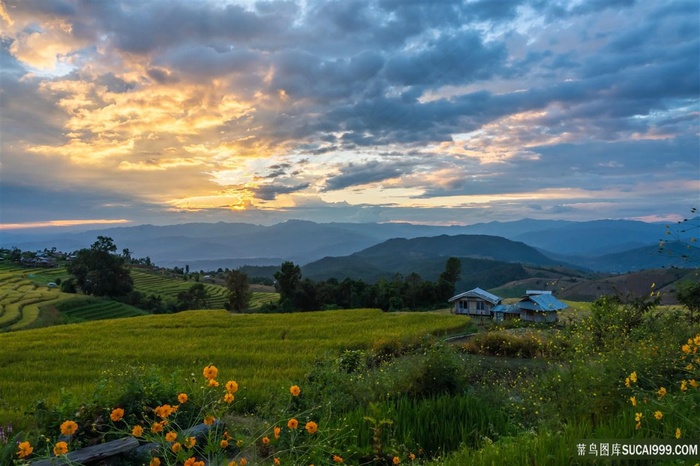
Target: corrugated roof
<point x="541" y="302"/>
<point x="477" y="293"/>
<point x="507" y="309"/>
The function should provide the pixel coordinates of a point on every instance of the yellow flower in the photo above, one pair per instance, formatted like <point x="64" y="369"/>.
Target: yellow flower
<point x="176" y="447"/>
<point x="638" y="417"/>
<point x="627" y="382"/>
<point x="265" y="440"/>
<point x="633" y="400"/>
<point x="228" y="397"/>
<point x="69" y="428"/>
<point x="171" y="436"/>
<point x="117" y="414"/>
<point x="684" y="385"/>
<point x="277" y="431"/>
<point x="293" y="423"/>
<point x="658" y="415"/>
<point x="678" y="432"/>
<point x="693" y="383"/>
<point x="337" y="459"/>
<point x="209" y="420"/>
<point x="231" y="386"/>
<point x="294" y="390"/>
<point x="633" y="376"/>
<point x="137" y="431"/>
<point x="190" y="442"/>
<point x="24" y="449"/>
<point x="210" y="372"/>
<point x="182" y="398"/>
<point x="154" y="462"/>
<point x="163" y="411"/>
<point x="311" y="427"/>
<point x="686" y="349"/>
<point x="157" y="427"/>
<point x="662" y="392"/>
<point x="223" y="444"/>
<point x="696" y="340"/>
<point x="61" y="448"/>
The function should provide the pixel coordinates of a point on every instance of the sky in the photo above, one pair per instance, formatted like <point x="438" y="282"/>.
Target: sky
<point x="126" y="112"/>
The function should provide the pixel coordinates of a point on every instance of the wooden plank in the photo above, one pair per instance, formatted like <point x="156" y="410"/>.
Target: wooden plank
<point x="93" y="453"/>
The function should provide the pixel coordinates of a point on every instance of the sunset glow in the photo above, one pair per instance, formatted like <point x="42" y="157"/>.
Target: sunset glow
<point x="172" y="111"/>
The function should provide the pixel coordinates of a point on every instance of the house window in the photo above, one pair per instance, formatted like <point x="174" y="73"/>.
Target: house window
<point x="480" y="306"/>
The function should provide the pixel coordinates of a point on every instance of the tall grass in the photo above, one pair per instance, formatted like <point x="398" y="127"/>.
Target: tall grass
<point x="263" y="352"/>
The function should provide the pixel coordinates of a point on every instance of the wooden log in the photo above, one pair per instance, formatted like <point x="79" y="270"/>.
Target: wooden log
<point x="93" y="453"/>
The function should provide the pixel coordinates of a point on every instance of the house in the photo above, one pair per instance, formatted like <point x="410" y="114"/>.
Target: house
<point x="476" y="302"/>
<point x="539" y="306"/>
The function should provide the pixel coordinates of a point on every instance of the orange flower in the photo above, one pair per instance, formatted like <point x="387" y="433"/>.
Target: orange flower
<point x="182" y="398"/>
<point x="243" y="462"/>
<point x="224" y="444"/>
<point x="61" y="448"/>
<point x="209" y="420"/>
<point x="294" y="390"/>
<point x="163" y="411"/>
<point x="412" y="456"/>
<point x="276" y="462"/>
<point x="69" y="428"/>
<point x="212" y="383"/>
<point x="176" y="447"/>
<point x="117" y="414"/>
<point x="228" y="397"/>
<point x="293" y="423"/>
<point x="157" y="427"/>
<point x="265" y="440"/>
<point x="311" y="427"/>
<point x="210" y="372"/>
<point x="24" y="449"/>
<point x="337" y="459"/>
<point x="171" y="436"/>
<point x="137" y="431"/>
<point x="154" y="462"/>
<point x="190" y="461"/>
<point x="396" y="460"/>
<point x="232" y="463"/>
<point x="190" y="442"/>
<point x="277" y="431"/>
<point x="231" y="386"/>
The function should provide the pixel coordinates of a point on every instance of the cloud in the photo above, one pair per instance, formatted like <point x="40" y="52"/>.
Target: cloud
<point x="269" y="192"/>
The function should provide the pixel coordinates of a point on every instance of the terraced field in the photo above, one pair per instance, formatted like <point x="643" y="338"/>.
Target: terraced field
<point x="168" y="288"/>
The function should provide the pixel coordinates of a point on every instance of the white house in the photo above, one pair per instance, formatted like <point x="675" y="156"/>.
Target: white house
<point x="476" y="302"/>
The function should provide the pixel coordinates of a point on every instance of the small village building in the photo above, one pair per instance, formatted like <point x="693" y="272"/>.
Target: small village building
<point x="476" y="302"/>
<point x="505" y="312"/>
<point x="539" y="306"/>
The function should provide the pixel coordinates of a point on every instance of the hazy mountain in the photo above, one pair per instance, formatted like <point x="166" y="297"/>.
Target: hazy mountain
<point x="230" y="244"/>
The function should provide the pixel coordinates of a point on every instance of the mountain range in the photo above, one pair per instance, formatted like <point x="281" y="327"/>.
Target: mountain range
<point x="603" y="245"/>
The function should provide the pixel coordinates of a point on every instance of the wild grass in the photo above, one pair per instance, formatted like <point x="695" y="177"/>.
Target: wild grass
<point x="262" y="352"/>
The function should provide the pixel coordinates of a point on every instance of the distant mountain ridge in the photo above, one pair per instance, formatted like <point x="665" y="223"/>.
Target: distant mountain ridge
<point x="204" y="244"/>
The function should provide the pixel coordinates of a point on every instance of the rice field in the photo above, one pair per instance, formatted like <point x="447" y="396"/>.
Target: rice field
<point x="262" y="352"/>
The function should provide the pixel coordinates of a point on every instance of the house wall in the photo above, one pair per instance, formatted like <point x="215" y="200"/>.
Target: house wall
<point x="469" y="306"/>
<point x="534" y="316"/>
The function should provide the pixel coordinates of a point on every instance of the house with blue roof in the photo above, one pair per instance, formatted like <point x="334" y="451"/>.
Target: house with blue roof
<point x="476" y="302"/>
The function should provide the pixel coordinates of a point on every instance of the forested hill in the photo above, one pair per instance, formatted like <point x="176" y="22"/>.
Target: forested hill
<point x="483" y="257"/>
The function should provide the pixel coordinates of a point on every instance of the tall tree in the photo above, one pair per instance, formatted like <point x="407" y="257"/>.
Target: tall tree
<point x="239" y="293"/>
<point x="288" y="278"/>
<point x="448" y="278"/>
<point x="100" y="272"/>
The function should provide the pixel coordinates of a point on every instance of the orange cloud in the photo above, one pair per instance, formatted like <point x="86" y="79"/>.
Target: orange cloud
<point x="60" y="223"/>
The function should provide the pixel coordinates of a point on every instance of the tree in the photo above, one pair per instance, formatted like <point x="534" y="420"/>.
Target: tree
<point x="100" y="272"/>
<point x="238" y="291"/>
<point x="195" y="297"/>
<point x="688" y="294"/>
<point x="288" y="278"/>
<point x="449" y="278"/>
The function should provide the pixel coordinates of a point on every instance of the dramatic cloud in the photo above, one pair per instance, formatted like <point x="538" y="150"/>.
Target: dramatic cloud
<point x="386" y="110"/>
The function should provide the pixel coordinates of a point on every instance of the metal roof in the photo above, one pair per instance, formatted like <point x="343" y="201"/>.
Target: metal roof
<point x="477" y="293"/>
<point x="507" y="309"/>
<point x="541" y="302"/>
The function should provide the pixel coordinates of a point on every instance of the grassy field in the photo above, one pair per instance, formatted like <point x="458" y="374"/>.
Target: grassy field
<point x="262" y="352"/>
